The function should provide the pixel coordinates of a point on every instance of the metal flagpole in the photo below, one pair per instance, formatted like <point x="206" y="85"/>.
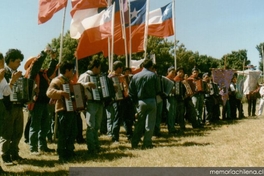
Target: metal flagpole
<point x="122" y="17"/>
<point x="174" y="28"/>
<point x="60" y="58"/>
<point x="262" y="50"/>
<point x="130" y="42"/>
<point x="146" y="29"/>
<point x="112" y="26"/>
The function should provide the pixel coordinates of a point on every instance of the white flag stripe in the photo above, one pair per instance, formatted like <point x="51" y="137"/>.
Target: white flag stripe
<point x="155" y="17"/>
<point x="76" y="28"/>
<point x="93" y="21"/>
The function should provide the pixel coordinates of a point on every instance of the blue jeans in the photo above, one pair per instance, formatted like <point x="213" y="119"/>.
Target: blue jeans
<point x="94" y="114"/>
<point x="39" y="126"/>
<point x="145" y="124"/>
<point x="198" y="102"/>
<point x="67" y="131"/>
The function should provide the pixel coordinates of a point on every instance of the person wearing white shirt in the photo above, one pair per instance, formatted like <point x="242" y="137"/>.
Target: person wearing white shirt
<point x="5" y="90"/>
<point x="261" y="103"/>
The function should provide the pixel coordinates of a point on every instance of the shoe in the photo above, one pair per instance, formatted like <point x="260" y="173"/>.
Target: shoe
<point x="34" y="153"/>
<point x="48" y="150"/>
<point x="7" y="160"/>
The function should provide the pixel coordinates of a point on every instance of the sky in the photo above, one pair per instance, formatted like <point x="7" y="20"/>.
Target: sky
<point x="209" y="27"/>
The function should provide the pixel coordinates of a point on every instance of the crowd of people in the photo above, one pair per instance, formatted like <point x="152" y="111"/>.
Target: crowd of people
<point x="135" y="99"/>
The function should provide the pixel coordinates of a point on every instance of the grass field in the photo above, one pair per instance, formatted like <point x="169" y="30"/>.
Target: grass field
<point x="227" y="143"/>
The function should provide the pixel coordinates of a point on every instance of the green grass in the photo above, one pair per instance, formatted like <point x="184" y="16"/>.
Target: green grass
<point x="237" y="143"/>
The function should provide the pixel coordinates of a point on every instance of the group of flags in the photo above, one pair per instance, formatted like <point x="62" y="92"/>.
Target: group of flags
<point x="124" y="23"/>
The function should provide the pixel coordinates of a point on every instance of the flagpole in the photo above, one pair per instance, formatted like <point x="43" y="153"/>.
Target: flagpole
<point x="62" y="33"/>
<point x="112" y="24"/>
<point x="146" y="29"/>
<point x="262" y="50"/>
<point x="130" y="41"/>
<point x="60" y="58"/>
<point x="121" y="2"/>
<point x="109" y="48"/>
<point x="174" y="28"/>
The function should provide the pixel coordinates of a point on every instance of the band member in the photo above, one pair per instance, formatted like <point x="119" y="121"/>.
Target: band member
<point x="94" y="109"/>
<point x="198" y="96"/>
<point x="171" y="103"/>
<point x="13" y="125"/>
<point x="143" y="90"/>
<point x="116" y="111"/>
<point x="180" y="98"/>
<point x="208" y="98"/>
<point x="38" y="110"/>
<point x="5" y="90"/>
<point x="235" y="103"/>
<point x="159" y="99"/>
<point x="67" y="124"/>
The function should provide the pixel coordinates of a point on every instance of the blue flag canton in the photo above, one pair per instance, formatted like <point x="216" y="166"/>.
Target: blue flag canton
<point x="166" y="12"/>
<point x="108" y="14"/>
<point x="138" y="12"/>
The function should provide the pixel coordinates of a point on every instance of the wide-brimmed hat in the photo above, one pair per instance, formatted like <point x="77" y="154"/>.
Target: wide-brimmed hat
<point x="28" y="62"/>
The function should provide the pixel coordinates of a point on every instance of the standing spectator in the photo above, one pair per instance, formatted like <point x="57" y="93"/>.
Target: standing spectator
<point x="261" y="103"/>
<point x="67" y="125"/>
<point x="13" y="125"/>
<point x="252" y="101"/>
<point x="94" y="109"/>
<point x="38" y="110"/>
<point x="143" y="91"/>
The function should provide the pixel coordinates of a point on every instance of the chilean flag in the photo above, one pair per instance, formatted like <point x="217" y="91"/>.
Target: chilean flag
<point x="160" y="22"/>
<point x="47" y="8"/>
<point x="137" y="24"/>
<point x="99" y="26"/>
<point x="82" y="9"/>
<point x="138" y="19"/>
<point x="95" y="36"/>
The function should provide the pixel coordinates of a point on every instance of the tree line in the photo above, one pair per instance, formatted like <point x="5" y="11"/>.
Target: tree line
<point x="164" y="53"/>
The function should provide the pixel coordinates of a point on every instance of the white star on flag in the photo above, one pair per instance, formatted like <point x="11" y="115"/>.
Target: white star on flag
<point x="134" y="14"/>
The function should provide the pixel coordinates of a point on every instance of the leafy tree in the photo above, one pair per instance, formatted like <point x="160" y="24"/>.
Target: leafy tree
<point x="235" y="60"/>
<point x="259" y="48"/>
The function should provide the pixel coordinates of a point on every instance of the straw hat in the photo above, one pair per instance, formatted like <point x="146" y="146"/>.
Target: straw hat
<point x="28" y="62"/>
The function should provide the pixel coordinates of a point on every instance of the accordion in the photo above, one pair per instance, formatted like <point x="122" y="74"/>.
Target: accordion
<point x="103" y="88"/>
<point x="122" y="83"/>
<point x="165" y="85"/>
<point x="178" y="88"/>
<point x="119" y="91"/>
<point x="125" y="80"/>
<point x="77" y="97"/>
<point x="23" y="90"/>
<point x="188" y="88"/>
<point x="201" y="86"/>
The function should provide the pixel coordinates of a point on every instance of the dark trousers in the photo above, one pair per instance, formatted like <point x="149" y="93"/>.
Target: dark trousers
<point x="251" y="105"/>
<point x="67" y="131"/>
